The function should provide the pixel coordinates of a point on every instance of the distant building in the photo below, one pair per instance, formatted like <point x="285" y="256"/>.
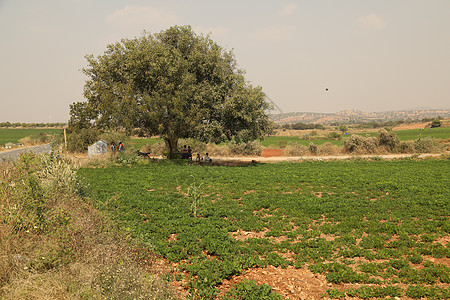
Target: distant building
<point x="100" y="147"/>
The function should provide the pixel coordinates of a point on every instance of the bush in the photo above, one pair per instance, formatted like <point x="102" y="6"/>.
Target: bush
<point x="295" y="149"/>
<point x="329" y="149"/>
<point x="57" y="141"/>
<point x="406" y="147"/>
<point x="115" y="137"/>
<point x="427" y="145"/>
<point x="313" y="149"/>
<point x="156" y="149"/>
<point x="334" y="135"/>
<point x="249" y="148"/>
<point x="388" y="139"/>
<point x="36" y="139"/>
<point x="221" y="150"/>
<point x="282" y="144"/>
<point x="79" y="141"/>
<point x="360" y="145"/>
<point x="127" y="158"/>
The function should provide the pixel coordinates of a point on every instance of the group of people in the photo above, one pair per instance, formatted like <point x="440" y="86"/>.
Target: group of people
<point x="186" y="153"/>
<point x="119" y="147"/>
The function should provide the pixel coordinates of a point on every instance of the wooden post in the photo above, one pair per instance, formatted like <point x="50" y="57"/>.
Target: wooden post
<point x="65" y="139"/>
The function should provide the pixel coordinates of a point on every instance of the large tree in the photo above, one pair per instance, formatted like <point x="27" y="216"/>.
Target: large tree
<point x="175" y="84"/>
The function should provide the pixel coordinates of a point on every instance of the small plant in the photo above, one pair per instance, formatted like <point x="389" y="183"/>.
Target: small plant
<point x="335" y="293"/>
<point x="283" y="144"/>
<point x="313" y="148"/>
<point x="194" y="192"/>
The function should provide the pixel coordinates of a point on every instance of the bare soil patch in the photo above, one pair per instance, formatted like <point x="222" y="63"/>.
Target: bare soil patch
<point x="290" y="282"/>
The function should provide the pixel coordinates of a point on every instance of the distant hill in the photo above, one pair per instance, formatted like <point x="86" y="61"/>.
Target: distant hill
<point x="356" y="116"/>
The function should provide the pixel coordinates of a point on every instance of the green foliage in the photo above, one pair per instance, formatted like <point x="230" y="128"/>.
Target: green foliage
<point x="175" y="84"/>
<point x="367" y="211"/>
<point x="79" y="141"/>
<point x="313" y="148"/>
<point x="249" y="148"/>
<point x="359" y="144"/>
<point x="427" y="145"/>
<point x="334" y="135"/>
<point x="343" y="128"/>
<point x="113" y="136"/>
<point x="421" y="292"/>
<point x="335" y="293"/>
<point x="194" y="192"/>
<point x="436" y="123"/>
<point x="388" y="139"/>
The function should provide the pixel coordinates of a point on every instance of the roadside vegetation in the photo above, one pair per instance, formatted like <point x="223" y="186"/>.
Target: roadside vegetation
<point x="55" y="245"/>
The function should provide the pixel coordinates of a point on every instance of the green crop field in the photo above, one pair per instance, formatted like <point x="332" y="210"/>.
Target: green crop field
<point x="13" y="135"/>
<point x="373" y="229"/>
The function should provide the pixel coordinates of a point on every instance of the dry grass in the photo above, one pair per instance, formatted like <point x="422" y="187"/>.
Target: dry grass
<point x="60" y="247"/>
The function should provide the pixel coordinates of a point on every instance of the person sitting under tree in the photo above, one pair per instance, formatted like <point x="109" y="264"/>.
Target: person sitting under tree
<point x="197" y="158"/>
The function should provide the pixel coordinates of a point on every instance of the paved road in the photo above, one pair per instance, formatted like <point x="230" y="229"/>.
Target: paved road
<point x="14" y="154"/>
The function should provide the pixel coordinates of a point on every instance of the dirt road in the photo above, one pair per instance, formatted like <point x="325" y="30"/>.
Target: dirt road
<point x="331" y="157"/>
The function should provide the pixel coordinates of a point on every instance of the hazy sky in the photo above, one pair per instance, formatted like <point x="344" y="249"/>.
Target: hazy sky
<point x="372" y="55"/>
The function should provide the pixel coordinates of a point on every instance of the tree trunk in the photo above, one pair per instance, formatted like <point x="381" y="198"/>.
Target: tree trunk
<point x="172" y="147"/>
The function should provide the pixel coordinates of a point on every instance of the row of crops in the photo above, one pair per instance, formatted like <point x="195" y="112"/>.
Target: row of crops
<point x="383" y="225"/>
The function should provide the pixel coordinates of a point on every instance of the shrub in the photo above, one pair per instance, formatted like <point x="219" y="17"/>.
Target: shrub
<point x="360" y="145"/>
<point x="334" y="135"/>
<point x="39" y="138"/>
<point x="79" y="141"/>
<point x="295" y="149"/>
<point x="221" y="150"/>
<point x="435" y="123"/>
<point x="329" y="149"/>
<point x="388" y="139"/>
<point x="249" y="148"/>
<point x="283" y="144"/>
<point x="126" y="158"/>
<point x="406" y="147"/>
<point x="115" y="137"/>
<point x="313" y="148"/>
<point x="427" y="145"/>
<point x="57" y="173"/>
<point x="156" y="149"/>
<point x="57" y="140"/>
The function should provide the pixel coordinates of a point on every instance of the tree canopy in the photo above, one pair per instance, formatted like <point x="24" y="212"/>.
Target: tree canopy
<point x="175" y="84"/>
